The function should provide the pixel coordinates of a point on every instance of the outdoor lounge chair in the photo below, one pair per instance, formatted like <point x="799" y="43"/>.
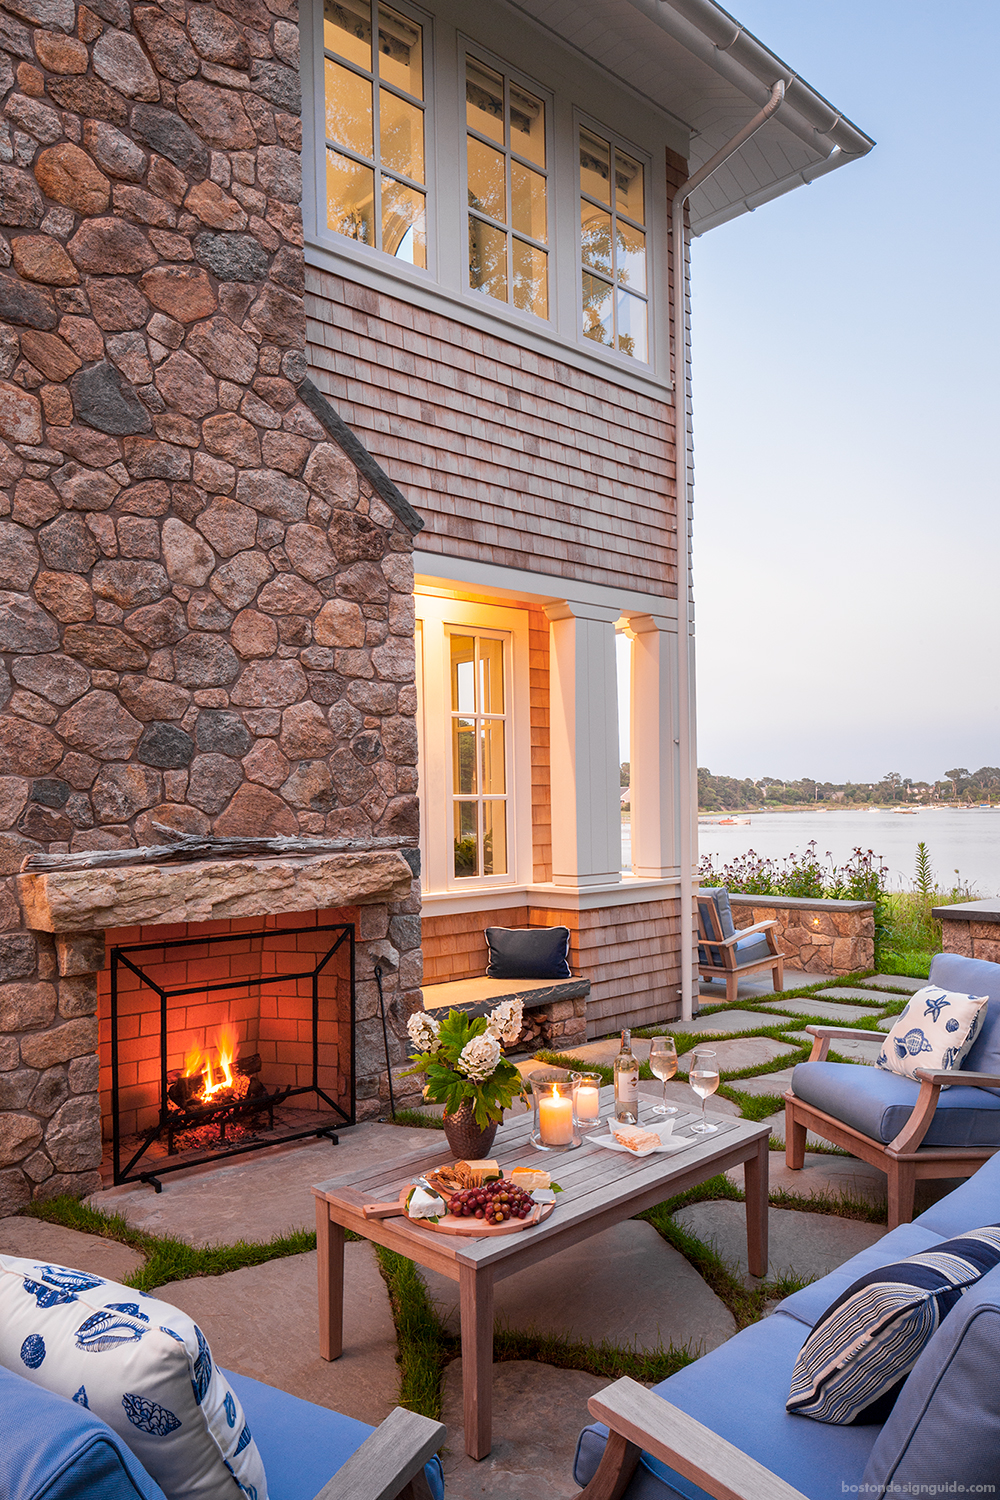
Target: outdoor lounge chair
<point x="724" y="953"/>
<point x="946" y="1125"/>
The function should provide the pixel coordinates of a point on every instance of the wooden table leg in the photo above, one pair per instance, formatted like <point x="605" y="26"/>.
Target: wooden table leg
<point x="755" y="1183"/>
<point x="476" y="1300"/>
<point x="330" y="1266"/>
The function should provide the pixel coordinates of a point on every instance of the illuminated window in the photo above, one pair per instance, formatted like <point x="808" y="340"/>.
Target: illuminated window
<point x="478" y="754"/>
<point x="613" y="246"/>
<point x="508" y="190"/>
<point x="376" y="177"/>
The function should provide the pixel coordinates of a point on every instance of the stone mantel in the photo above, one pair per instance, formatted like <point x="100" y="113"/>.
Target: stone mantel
<point x="85" y="900"/>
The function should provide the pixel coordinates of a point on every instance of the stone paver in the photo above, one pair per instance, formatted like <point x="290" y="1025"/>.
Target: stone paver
<point x="898" y="982"/>
<point x="844" y="1015"/>
<point x="33" y="1239"/>
<point x="887" y="1023"/>
<point x="858" y="1049"/>
<point x="538" y="1412"/>
<point x="742" y="1052"/>
<point x="683" y="1097"/>
<point x="836" y="993"/>
<point x="605" y="1051"/>
<point x="830" y="1176"/>
<point x="764" y="1083"/>
<point x="805" y="1037"/>
<point x="263" y="1321"/>
<point x="257" y="1196"/>
<point x="800" y="1244"/>
<point x="722" y="1022"/>
<point x="592" y="1292"/>
<point x="756" y="986"/>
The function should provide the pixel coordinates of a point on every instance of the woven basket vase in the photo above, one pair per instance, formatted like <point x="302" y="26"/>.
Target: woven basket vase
<point x="468" y="1141"/>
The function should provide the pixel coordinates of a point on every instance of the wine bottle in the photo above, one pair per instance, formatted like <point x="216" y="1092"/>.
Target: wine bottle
<point x="626" y="1083"/>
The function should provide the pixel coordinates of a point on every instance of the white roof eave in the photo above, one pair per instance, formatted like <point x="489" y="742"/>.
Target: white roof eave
<point x="694" y="61"/>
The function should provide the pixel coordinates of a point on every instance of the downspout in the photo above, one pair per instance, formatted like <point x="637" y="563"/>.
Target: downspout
<point x="685" y="675"/>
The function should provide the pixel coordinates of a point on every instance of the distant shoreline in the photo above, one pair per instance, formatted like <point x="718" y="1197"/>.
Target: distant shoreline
<point x="817" y="807"/>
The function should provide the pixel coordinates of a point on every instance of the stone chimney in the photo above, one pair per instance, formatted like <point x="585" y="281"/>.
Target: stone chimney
<point x="206" y="613"/>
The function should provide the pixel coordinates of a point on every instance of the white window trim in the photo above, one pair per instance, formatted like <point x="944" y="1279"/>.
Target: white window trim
<point x="448" y="295"/>
<point x="655" y="251"/>
<point x="507" y="310"/>
<point x="313" y="75"/>
<point x="434" y="721"/>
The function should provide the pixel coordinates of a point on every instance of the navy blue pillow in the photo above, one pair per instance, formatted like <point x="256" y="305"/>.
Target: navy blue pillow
<point x="852" y="1366"/>
<point x="528" y="953"/>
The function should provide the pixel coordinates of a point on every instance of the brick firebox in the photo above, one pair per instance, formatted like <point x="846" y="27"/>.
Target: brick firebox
<point x="206" y="615"/>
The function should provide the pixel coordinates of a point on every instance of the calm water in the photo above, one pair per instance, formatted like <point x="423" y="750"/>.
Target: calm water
<point x="968" y="841"/>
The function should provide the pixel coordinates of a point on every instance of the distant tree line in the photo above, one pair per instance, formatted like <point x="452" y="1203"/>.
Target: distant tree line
<point x="728" y="794"/>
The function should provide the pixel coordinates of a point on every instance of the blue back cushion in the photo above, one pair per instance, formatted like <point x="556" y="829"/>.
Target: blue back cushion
<point x="945" y="1427"/>
<point x="52" y="1448"/>
<point x="528" y="953"/>
<point x="974" y="976"/>
<point x="715" y="918"/>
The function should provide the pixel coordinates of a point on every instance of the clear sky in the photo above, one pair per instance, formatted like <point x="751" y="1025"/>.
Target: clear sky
<point x="846" y="337"/>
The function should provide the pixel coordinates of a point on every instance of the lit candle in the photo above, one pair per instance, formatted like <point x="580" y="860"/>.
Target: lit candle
<point x="588" y="1103"/>
<point x="555" y="1120"/>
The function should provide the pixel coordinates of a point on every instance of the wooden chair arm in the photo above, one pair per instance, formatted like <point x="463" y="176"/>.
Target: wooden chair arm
<point x="638" y="1420"/>
<point x="824" y="1034"/>
<point x="739" y="935"/>
<point x="955" y="1075"/>
<point x="390" y="1463"/>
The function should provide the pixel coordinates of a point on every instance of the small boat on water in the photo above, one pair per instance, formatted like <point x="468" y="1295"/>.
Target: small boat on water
<point x="731" y="822"/>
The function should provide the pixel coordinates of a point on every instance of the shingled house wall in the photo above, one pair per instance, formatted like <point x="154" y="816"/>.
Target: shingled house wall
<point x="206" y="615"/>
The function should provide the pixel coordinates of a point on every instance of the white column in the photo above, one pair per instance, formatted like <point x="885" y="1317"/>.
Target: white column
<point x="584" y="757"/>
<point x="655" y="749"/>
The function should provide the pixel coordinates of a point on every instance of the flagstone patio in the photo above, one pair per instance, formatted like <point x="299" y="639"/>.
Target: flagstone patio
<point x="641" y="1292"/>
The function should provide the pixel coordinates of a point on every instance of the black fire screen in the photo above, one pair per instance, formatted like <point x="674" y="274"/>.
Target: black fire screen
<point x="227" y="1043"/>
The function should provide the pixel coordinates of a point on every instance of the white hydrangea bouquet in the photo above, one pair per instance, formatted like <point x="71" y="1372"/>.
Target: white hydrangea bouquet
<point x="463" y="1059"/>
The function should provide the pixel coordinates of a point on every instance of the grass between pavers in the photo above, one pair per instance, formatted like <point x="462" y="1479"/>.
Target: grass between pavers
<point x="169" y="1259"/>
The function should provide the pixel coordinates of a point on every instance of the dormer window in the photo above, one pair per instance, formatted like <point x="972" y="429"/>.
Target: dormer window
<point x="507" y="189"/>
<point x="376" y="176"/>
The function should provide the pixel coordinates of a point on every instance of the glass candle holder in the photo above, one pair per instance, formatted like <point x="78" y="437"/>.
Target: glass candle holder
<point x="586" y="1099"/>
<point x="555" y="1128"/>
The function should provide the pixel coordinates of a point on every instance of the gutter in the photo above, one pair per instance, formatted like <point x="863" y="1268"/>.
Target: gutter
<point x="687" y="769"/>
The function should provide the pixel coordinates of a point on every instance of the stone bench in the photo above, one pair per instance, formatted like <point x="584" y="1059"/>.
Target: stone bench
<point x="555" y="1010"/>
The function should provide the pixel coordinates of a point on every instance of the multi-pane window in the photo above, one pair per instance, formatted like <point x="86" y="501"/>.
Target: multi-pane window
<point x="376" y="178"/>
<point x="613" y="245"/>
<point x="478" y="754"/>
<point x="508" y="190"/>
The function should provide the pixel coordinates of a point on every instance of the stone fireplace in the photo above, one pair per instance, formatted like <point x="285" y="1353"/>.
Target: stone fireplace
<point x="206" y="613"/>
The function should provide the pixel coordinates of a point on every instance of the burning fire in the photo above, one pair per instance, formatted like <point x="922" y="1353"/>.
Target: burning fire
<point x="219" y="1077"/>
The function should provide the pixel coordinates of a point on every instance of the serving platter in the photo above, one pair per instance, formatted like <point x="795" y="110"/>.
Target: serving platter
<point x="475" y="1228"/>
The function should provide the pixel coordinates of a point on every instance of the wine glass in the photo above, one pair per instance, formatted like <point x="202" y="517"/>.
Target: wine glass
<point x="663" y="1065"/>
<point x="704" y="1079"/>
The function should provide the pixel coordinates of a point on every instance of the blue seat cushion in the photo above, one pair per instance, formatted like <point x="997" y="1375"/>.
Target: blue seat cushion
<point x="751" y="949"/>
<point x="302" y="1445"/>
<point x="810" y="1302"/>
<point x="53" y="1448"/>
<point x="974" y="976"/>
<point x="738" y="1391"/>
<point x="878" y="1104"/>
<point x="945" y="1427"/>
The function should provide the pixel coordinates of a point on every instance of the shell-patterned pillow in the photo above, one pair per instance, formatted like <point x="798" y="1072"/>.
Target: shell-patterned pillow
<point x="139" y="1364"/>
<point x="935" y="1029"/>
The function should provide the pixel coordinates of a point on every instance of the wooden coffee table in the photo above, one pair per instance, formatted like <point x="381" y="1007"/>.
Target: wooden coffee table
<point x="600" y="1189"/>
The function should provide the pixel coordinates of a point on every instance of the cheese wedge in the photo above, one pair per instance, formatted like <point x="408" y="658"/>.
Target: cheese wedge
<point x="480" y="1171"/>
<point x="529" y="1179"/>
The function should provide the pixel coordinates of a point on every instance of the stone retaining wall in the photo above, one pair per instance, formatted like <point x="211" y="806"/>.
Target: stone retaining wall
<point x="971" y="928"/>
<point x="821" y="937"/>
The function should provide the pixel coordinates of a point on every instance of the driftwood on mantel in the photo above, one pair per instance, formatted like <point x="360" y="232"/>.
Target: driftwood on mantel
<point x="187" y="847"/>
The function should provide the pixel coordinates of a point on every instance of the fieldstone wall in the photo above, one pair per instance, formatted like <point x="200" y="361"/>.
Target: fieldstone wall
<point x="821" y="937"/>
<point x="206" y="615"/>
<point x="971" y="928"/>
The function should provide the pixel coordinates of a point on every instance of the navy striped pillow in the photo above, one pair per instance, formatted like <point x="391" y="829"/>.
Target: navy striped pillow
<point x="853" y="1364"/>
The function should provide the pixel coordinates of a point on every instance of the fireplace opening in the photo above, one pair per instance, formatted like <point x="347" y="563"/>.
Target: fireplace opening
<point x="227" y="1042"/>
